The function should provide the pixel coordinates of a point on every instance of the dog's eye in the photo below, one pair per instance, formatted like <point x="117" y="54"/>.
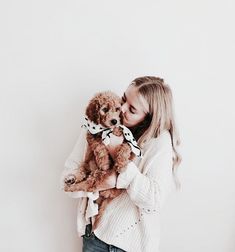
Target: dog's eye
<point x="105" y="110"/>
<point x="118" y="109"/>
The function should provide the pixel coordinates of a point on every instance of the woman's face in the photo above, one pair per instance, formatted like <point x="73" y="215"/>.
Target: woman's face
<point x="134" y="107"/>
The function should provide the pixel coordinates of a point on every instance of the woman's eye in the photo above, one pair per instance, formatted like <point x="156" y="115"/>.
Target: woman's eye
<point x="123" y="99"/>
<point x="105" y="110"/>
<point x="132" y="111"/>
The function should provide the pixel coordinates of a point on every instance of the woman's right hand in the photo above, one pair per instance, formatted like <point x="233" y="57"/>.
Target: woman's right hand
<point x="109" y="182"/>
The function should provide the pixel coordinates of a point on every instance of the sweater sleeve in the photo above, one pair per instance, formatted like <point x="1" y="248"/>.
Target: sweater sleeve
<point x="149" y="191"/>
<point x="73" y="161"/>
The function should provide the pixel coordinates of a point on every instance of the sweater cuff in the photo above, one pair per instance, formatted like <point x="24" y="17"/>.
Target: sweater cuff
<point x="126" y="177"/>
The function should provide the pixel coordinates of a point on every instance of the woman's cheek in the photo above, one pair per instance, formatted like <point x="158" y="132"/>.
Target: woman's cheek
<point x="128" y="116"/>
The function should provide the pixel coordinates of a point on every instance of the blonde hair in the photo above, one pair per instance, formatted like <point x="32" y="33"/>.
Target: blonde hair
<point x="161" y="115"/>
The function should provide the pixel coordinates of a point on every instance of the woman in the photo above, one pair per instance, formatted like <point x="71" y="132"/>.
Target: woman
<point x="131" y="221"/>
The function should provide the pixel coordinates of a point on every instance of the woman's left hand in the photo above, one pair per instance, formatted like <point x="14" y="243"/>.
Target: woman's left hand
<point x="109" y="182"/>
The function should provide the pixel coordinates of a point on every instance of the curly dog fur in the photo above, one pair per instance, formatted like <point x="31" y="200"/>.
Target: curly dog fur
<point x="105" y="109"/>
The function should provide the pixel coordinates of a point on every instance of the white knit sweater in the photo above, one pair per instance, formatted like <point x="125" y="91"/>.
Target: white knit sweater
<point x="132" y="220"/>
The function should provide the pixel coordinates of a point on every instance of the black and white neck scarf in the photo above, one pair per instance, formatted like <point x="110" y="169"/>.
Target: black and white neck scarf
<point x="97" y="128"/>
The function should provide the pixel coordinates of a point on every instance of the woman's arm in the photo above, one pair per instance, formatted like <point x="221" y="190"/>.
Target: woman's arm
<point x="149" y="191"/>
<point x="72" y="163"/>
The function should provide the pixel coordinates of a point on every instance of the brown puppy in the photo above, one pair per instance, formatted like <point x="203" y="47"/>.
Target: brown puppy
<point x="103" y="111"/>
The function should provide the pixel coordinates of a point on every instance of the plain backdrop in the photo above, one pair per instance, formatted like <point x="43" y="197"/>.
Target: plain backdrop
<point x="54" y="55"/>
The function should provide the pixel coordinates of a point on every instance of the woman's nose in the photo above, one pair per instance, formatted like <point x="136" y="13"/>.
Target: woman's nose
<point x="123" y="107"/>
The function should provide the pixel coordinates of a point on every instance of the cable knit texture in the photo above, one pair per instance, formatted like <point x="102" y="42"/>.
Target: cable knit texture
<point x="132" y="220"/>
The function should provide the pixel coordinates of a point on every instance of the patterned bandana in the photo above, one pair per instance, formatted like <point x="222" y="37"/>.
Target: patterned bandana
<point x="97" y="128"/>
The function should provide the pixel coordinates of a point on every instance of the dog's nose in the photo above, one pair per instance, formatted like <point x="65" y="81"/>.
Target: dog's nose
<point x="114" y="121"/>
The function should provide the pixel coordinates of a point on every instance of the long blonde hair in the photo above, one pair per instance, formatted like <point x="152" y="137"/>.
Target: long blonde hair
<point x="161" y="115"/>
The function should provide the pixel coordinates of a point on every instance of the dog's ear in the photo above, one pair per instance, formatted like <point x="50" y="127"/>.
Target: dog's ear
<point x="92" y="111"/>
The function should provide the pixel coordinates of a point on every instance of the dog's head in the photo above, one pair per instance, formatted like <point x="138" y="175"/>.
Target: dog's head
<point x="105" y="109"/>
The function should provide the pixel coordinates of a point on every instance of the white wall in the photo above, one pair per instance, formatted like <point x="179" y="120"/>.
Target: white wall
<point x="54" y="55"/>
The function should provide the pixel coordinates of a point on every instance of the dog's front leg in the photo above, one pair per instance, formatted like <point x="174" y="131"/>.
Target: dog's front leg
<point x="100" y="151"/>
<point x="102" y="157"/>
<point x="86" y="185"/>
<point x="122" y="157"/>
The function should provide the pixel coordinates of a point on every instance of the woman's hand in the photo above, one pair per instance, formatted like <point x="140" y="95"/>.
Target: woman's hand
<point x="109" y="182"/>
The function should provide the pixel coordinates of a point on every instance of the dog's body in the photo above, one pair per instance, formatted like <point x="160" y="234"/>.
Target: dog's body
<point x="104" y="110"/>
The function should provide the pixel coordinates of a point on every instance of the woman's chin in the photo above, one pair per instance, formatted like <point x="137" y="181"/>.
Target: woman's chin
<point x="125" y="123"/>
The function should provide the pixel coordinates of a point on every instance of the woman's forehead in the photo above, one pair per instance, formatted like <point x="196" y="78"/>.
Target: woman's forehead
<point x="136" y="100"/>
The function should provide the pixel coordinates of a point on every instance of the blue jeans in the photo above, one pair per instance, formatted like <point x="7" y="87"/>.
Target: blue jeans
<point x="91" y="243"/>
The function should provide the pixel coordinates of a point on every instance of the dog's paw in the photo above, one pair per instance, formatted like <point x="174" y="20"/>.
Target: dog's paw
<point x="70" y="179"/>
